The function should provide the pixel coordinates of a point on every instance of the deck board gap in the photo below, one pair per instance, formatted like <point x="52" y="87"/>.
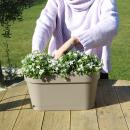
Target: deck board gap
<point x="70" y="121"/>
<point x="99" y="85"/>
<point x="97" y="119"/>
<point x="43" y="120"/>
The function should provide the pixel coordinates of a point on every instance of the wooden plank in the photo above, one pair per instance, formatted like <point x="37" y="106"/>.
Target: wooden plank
<point x="84" y="120"/>
<point x="14" y="98"/>
<point x="56" y="120"/>
<point x="10" y="106"/>
<point x="29" y="119"/>
<point x="108" y="108"/>
<point x="123" y="92"/>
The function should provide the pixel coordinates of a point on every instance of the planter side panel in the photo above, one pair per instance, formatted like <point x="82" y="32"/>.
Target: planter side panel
<point x="66" y="96"/>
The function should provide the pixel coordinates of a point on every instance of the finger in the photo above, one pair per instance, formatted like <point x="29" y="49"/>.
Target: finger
<point x="53" y="53"/>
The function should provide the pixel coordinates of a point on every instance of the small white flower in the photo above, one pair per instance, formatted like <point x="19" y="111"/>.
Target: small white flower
<point x="71" y="62"/>
<point x="81" y="66"/>
<point x="32" y="58"/>
<point x="41" y="71"/>
<point x="30" y="66"/>
<point x="79" y="60"/>
<point x="56" y="69"/>
<point x="79" y="69"/>
<point x="33" y="64"/>
<point x="13" y="70"/>
<point x="33" y="69"/>
<point x="75" y="54"/>
<point x="38" y="67"/>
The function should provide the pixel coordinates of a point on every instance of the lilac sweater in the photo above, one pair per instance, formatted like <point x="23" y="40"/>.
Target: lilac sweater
<point x="93" y="22"/>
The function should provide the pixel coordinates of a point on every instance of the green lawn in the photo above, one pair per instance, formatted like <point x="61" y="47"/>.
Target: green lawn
<point x="121" y="44"/>
<point x="20" y="43"/>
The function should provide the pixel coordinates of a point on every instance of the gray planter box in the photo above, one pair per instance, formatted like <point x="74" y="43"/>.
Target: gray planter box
<point x="78" y="93"/>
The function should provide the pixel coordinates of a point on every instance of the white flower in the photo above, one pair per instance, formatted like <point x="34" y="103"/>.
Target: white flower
<point x="71" y="62"/>
<point x="38" y="67"/>
<point x="56" y="68"/>
<point x="79" y="60"/>
<point x="81" y="67"/>
<point x="75" y="54"/>
<point x="33" y="64"/>
<point x="41" y="71"/>
<point x="53" y="62"/>
<point x="13" y="70"/>
<point x="30" y="66"/>
<point x="32" y="58"/>
<point x="33" y="69"/>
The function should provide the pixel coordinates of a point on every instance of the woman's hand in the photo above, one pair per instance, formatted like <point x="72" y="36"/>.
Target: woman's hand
<point x="67" y="45"/>
<point x="58" y="53"/>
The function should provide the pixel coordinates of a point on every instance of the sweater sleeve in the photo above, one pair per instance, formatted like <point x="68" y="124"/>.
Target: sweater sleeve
<point x="104" y="31"/>
<point x="45" y="26"/>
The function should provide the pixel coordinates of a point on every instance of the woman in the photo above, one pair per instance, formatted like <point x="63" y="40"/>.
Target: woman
<point x="84" y="25"/>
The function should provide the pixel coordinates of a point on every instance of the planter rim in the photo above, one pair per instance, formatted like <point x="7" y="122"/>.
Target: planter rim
<point x="59" y="80"/>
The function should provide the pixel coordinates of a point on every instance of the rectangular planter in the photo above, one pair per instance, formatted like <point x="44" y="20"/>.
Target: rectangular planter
<point x="78" y="93"/>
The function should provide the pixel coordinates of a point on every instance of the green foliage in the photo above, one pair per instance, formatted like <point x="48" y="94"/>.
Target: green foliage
<point x="10" y="11"/>
<point x="38" y="65"/>
<point x="41" y="65"/>
<point x="75" y="62"/>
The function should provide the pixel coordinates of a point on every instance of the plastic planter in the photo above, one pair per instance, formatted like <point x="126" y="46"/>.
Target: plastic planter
<point x="78" y="93"/>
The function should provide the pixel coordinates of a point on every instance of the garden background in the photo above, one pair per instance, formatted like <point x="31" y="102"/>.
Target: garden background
<point x="20" y="41"/>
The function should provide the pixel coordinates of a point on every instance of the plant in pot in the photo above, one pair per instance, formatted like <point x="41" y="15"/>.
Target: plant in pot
<point x="68" y="83"/>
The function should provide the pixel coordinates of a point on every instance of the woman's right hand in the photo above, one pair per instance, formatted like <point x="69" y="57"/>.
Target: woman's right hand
<point x="57" y="54"/>
<point x="66" y="46"/>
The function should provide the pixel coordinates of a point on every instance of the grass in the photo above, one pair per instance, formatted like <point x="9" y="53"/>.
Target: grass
<point x="121" y="44"/>
<point x="20" y="43"/>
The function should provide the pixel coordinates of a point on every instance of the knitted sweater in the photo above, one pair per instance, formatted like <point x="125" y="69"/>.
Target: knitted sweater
<point x="93" y="22"/>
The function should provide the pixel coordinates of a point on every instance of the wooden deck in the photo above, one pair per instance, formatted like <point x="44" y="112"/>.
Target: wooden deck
<point x="112" y="111"/>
